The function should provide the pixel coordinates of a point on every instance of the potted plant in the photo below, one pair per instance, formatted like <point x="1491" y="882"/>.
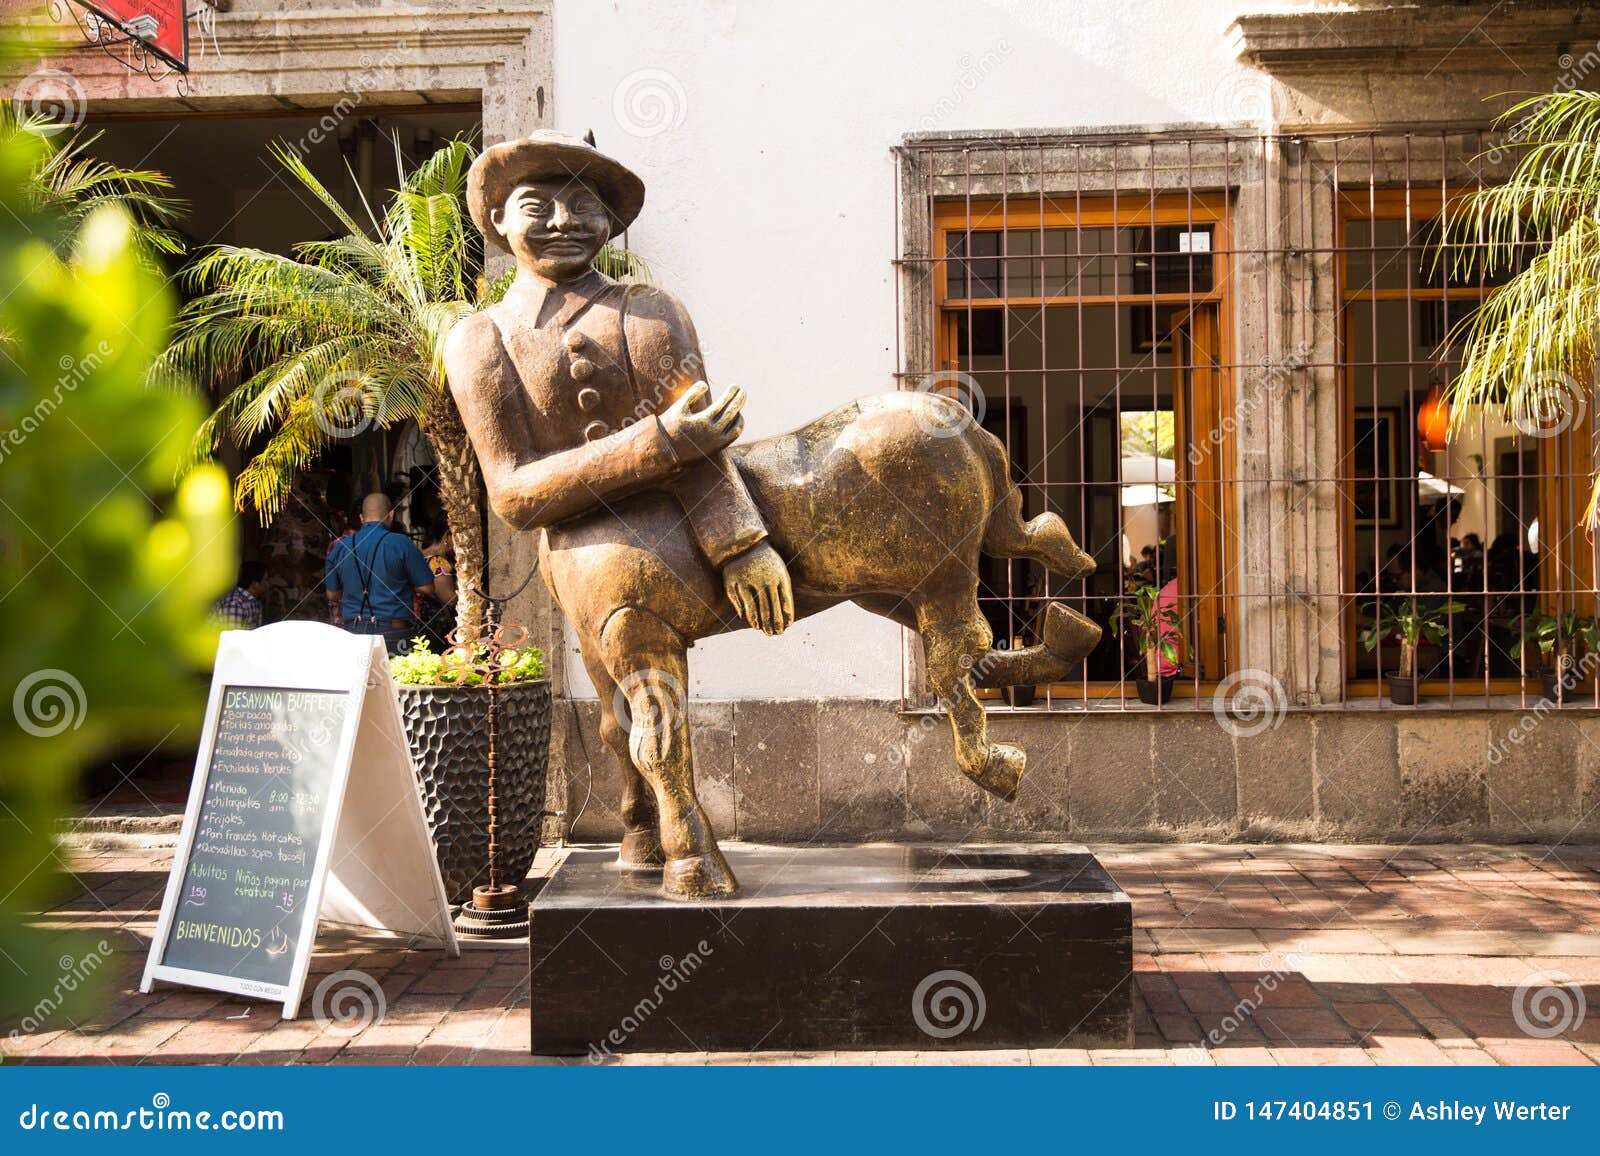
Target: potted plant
<point x="446" y="720"/>
<point x="1553" y="637"/>
<point x="1411" y="621"/>
<point x="1159" y="627"/>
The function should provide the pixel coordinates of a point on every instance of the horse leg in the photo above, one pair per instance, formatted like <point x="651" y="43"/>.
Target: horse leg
<point x="648" y="661"/>
<point x="641" y="821"/>
<point x="1068" y="638"/>
<point x="1066" y="635"/>
<point x="954" y="637"/>
<point x="1044" y="539"/>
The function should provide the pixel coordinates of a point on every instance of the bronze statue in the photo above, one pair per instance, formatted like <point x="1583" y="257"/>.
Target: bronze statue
<point x="586" y="402"/>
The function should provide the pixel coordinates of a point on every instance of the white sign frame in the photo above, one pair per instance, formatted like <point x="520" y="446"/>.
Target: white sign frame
<point x="375" y="865"/>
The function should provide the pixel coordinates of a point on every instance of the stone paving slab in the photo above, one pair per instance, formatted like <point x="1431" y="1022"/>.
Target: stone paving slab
<point x="1302" y="954"/>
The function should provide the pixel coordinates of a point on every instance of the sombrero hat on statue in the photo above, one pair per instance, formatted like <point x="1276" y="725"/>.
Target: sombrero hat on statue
<point x="549" y="155"/>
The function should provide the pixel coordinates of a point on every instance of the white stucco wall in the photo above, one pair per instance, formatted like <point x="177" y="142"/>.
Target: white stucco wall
<point x="763" y="131"/>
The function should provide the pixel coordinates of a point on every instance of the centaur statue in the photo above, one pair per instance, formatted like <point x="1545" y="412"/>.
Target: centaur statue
<point x="587" y="404"/>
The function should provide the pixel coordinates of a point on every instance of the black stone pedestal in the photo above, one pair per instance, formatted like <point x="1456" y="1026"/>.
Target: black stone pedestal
<point x="882" y="947"/>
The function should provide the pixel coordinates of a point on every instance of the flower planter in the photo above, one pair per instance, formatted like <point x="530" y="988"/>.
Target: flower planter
<point x="1016" y="696"/>
<point x="1402" y="688"/>
<point x="1155" y="692"/>
<point x="447" y="728"/>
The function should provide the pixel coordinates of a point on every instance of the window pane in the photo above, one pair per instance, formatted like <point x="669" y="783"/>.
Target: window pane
<point x="1459" y="521"/>
<point x="1083" y="398"/>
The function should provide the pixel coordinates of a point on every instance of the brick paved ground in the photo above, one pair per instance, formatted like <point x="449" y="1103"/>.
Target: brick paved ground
<point x="1360" y="955"/>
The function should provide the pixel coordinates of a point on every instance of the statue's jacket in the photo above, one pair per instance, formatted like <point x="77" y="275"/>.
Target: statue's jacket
<point x="561" y="387"/>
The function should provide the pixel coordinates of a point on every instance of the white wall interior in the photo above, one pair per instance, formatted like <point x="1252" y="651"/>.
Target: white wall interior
<point x="763" y="132"/>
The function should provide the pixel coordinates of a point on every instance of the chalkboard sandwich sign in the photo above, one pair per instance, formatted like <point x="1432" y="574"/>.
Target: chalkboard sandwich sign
<point x="304" y="809"/>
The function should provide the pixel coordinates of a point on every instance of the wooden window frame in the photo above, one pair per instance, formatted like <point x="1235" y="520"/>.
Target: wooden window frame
<point x="1215" y="550"/>
<point x="1416" y="205"/>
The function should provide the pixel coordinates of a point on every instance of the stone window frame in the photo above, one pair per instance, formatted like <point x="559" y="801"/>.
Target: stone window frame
<point x="1288" y="358"/>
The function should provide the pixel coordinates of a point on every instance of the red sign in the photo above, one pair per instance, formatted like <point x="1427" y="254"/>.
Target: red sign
<point x="170" y="38"/>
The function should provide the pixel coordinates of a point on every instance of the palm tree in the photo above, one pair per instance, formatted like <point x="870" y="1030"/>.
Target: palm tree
<point x="347" y="335"/>
<point x="1524" y="348"/>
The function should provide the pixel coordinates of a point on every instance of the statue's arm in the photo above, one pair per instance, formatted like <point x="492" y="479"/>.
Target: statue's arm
<point x="666" y="360"/>
<point x="526" y="488"/>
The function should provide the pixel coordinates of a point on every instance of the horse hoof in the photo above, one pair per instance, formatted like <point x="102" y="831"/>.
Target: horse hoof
<point x="1001" y="774"/>
<point x="699" y="877"/>
<point x="641" y="852"/>
<point x="1068" y="634"/>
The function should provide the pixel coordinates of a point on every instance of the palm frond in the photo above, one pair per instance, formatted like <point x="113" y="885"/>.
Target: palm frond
<point x="1556" y="178"/>
<point x="297" y="168"/>
<point x="344" y="335"/>
<point x="1528" y="349"/>
<point x="69" y="184"/>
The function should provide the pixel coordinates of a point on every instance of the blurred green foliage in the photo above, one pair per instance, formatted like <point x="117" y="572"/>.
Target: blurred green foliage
<point x="108" y="569"/>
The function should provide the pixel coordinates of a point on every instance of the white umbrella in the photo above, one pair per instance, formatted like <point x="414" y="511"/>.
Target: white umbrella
<point x="1147" y="470"/>
<point x="1145" y="495"/>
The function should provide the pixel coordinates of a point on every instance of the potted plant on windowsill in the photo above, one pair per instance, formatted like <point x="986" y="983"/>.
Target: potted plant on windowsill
<point x="1555" y="637"/>
<point x="1160" y="632"/>
<point x="1411" y="621"/>
<point x="446" y="720"/>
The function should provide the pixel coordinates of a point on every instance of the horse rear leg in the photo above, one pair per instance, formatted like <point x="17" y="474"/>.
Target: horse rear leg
<point x="954" y="638"/>
<point x="641" y="820"/>
<point x="1045" y="539"/>
<point x="647" y="660"/>
<point x="1066" y="636"/>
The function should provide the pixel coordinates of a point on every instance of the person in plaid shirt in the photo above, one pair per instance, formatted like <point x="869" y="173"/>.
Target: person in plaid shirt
<point x="240" y="608"/>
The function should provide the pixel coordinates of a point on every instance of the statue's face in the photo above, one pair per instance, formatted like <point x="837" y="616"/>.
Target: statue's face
<point x="554" y="227"/>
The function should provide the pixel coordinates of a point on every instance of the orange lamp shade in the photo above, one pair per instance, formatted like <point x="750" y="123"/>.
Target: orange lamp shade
<point x="1433" y="420"/>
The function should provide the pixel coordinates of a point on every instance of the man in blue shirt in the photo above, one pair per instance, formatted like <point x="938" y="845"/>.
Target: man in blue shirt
<point x="374" y="574"/>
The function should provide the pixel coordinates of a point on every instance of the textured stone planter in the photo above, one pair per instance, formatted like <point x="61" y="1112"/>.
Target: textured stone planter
<point x="448" y="731"/>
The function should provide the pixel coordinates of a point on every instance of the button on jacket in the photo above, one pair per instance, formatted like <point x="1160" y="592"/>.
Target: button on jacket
<point x="597" y="361"/>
